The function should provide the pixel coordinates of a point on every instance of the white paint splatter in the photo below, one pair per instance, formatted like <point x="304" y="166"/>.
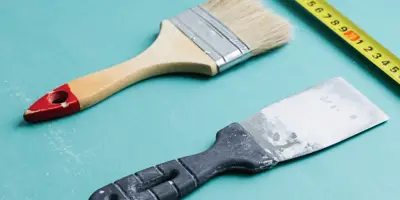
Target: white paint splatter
<point x="55" y="136"/>
<point x="64" y="104"/>
<point x="15" y="90"/>
<point x="57" y="141"/>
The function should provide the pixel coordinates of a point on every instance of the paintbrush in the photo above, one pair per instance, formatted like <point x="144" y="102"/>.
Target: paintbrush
<point x="301" y="124"/>
<point x="207" y="39"/>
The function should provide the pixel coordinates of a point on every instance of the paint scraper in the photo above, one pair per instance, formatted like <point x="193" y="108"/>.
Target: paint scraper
<point x="309" y="121"/>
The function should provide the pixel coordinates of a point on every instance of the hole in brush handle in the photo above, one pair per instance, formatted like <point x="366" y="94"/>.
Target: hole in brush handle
<point x="58" y="97"/>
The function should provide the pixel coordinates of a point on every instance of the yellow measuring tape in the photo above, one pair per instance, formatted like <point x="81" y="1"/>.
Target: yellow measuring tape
<point x="355" y="36"/>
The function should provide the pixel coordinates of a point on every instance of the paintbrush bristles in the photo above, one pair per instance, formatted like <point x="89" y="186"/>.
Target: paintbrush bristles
<point x="258" y="27"/>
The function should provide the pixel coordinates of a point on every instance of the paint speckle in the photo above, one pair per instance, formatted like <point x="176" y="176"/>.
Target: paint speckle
<point x="64" y="104"/>
<point x="16" y="91"/>
<point x="276" y="136"/>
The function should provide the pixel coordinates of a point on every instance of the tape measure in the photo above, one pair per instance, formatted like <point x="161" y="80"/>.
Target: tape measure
<point x="355" y="36"/>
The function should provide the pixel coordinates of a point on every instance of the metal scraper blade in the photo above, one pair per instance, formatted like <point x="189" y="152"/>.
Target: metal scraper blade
<point x="313" y="120"/>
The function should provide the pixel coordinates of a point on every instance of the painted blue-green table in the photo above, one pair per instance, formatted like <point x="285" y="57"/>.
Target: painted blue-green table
<point x="45" y="43"/>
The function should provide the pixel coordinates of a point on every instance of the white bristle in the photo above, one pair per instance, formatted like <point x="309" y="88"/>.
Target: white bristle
<point x="258" y="27"/>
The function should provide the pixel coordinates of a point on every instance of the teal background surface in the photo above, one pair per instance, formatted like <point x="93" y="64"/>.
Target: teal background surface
<point x="45" y="43"/>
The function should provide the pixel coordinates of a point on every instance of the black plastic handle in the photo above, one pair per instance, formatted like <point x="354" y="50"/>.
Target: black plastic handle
<point x="234" y="150"/>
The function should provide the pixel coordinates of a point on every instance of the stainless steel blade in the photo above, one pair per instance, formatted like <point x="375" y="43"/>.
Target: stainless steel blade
<point x="314" y="119"/>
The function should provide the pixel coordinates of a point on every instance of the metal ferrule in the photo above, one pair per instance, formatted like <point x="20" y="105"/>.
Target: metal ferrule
<point x="213" y="37"/>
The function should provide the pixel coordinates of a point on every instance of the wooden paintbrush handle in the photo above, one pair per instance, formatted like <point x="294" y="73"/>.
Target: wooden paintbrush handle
<point x="172" y="52"/>
<point x="235" y="149"/>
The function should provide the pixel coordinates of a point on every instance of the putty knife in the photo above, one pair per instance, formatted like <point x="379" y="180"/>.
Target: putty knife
<point x="299" y="125"/>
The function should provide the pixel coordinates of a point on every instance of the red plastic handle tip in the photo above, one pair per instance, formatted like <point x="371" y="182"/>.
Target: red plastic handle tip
<point x="58" y="103"/>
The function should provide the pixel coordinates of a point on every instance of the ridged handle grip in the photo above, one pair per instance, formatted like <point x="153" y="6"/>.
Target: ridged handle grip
<point x="234" y="149"/>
